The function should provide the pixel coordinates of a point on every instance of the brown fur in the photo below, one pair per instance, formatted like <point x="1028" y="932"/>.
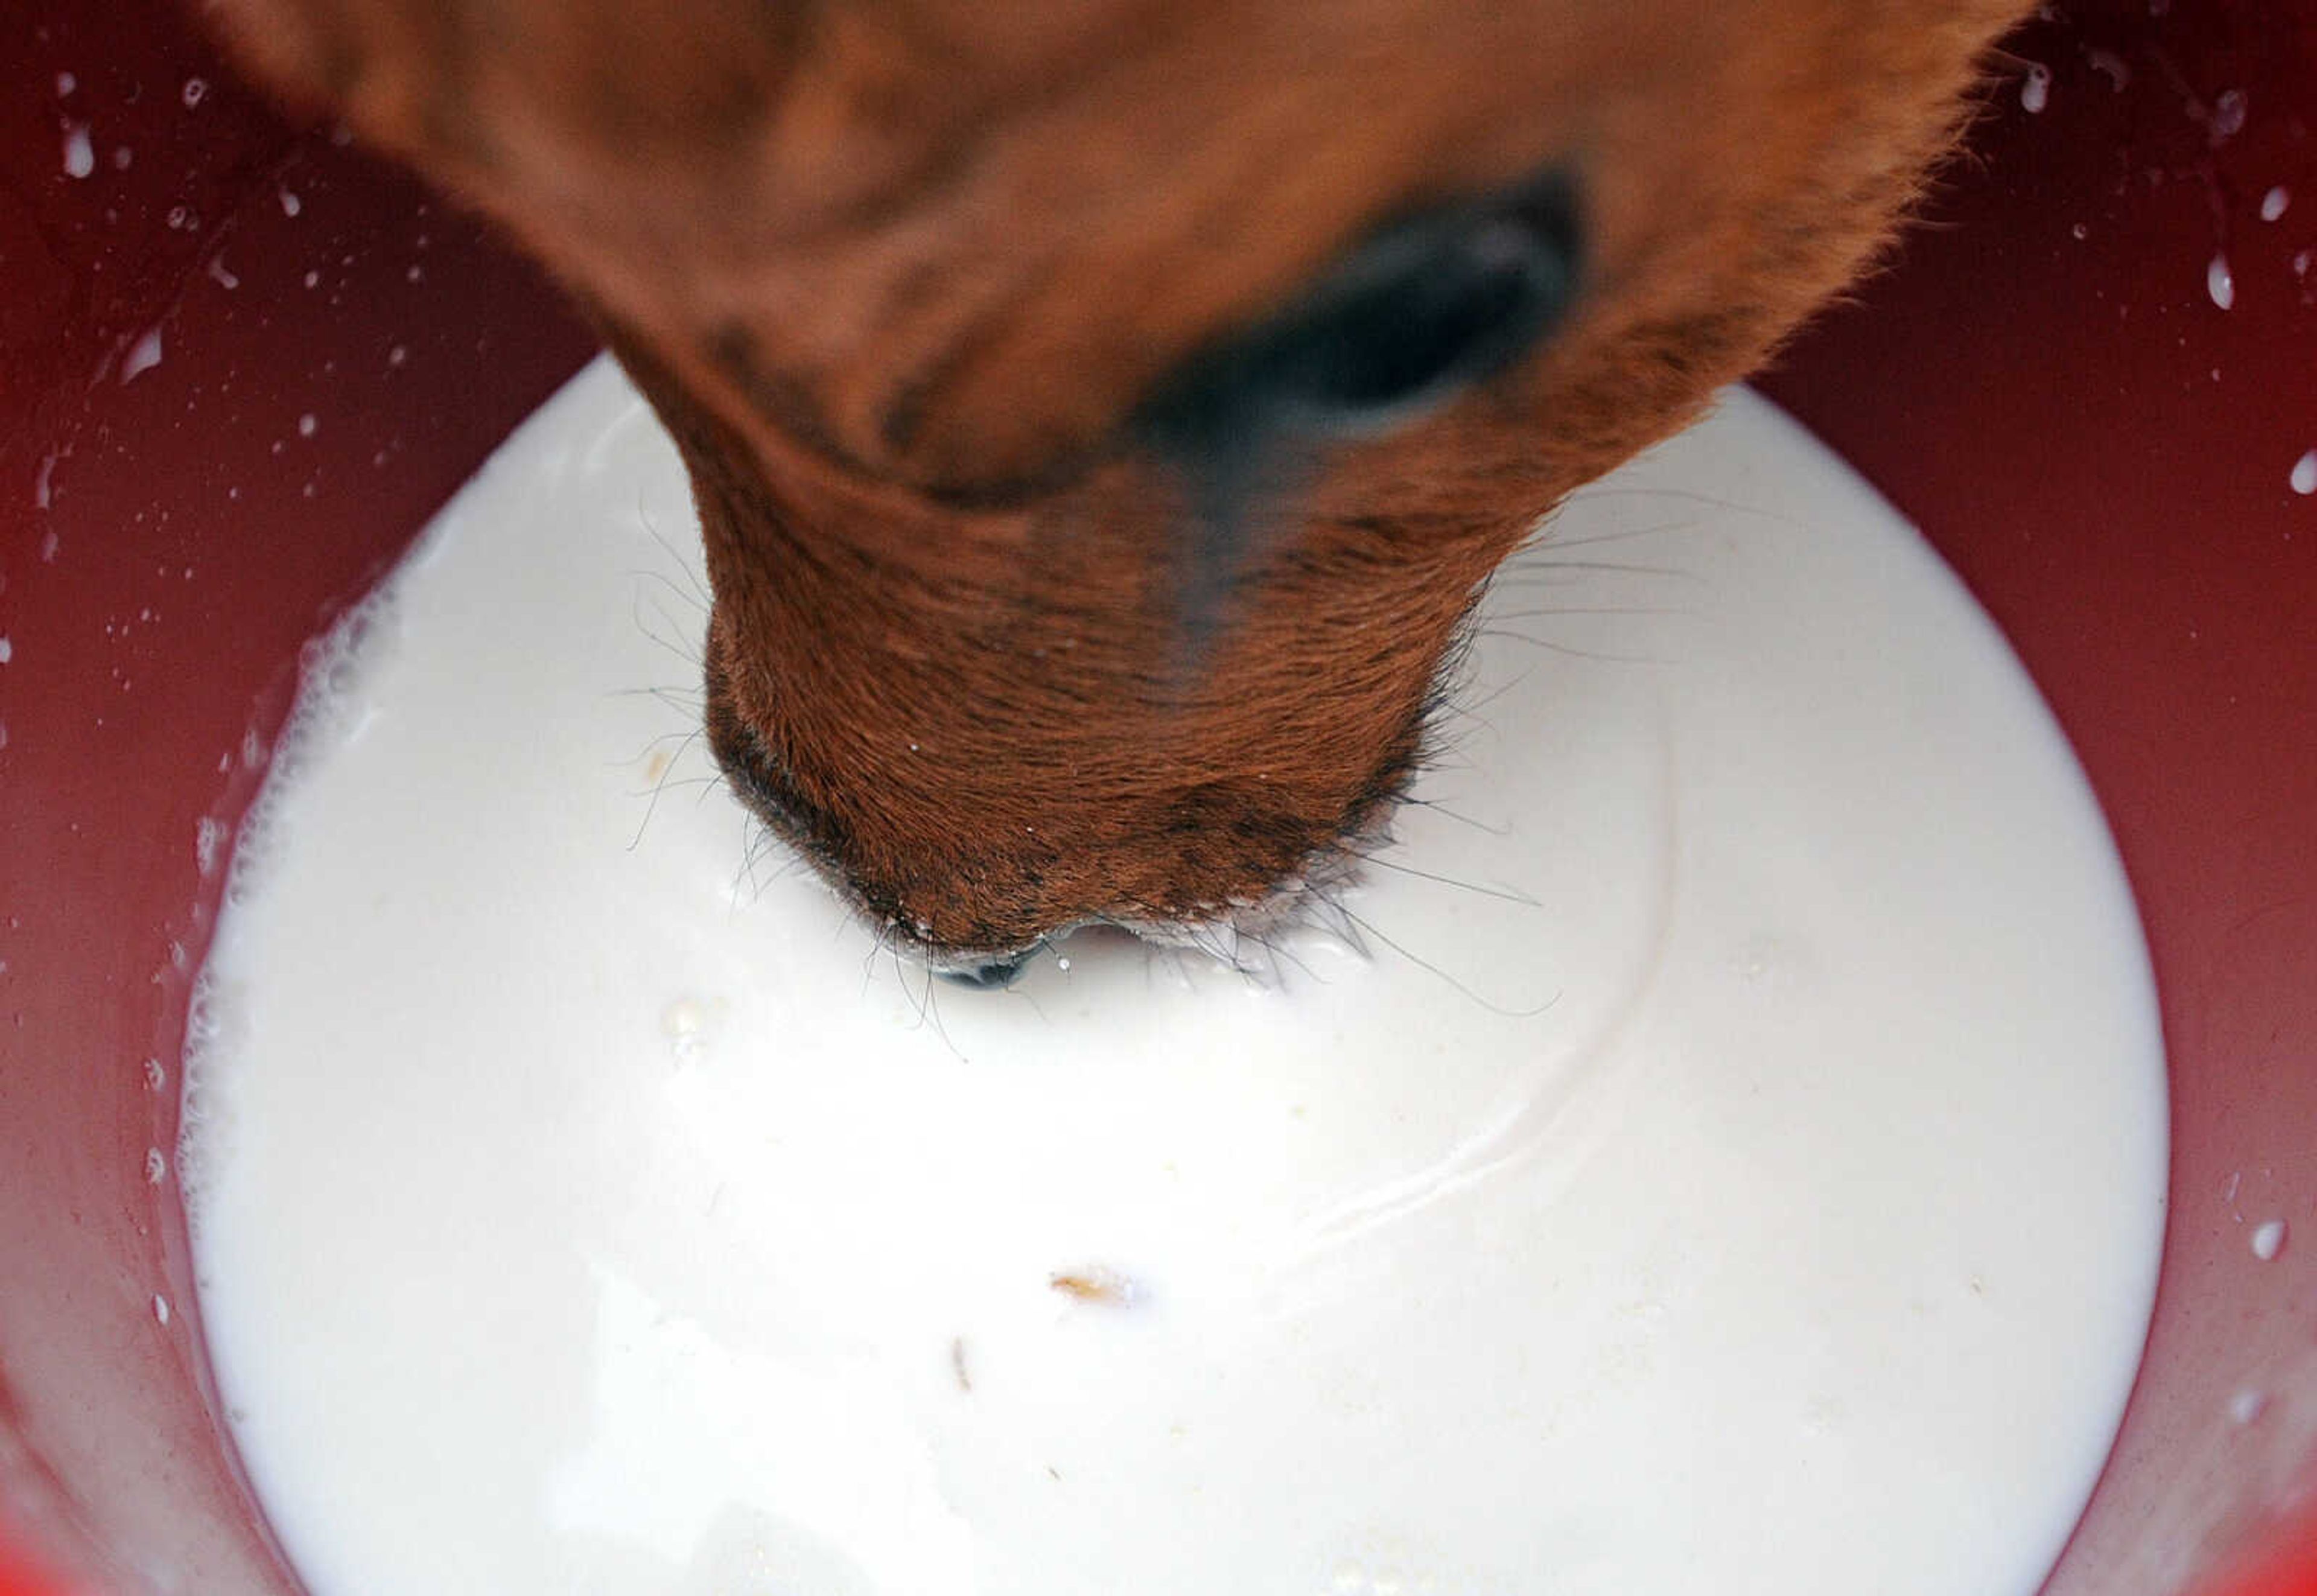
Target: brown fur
<point x="895" y="272"/>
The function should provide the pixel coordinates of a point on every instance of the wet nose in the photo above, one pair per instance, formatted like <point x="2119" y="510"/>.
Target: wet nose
<point x="994" y="975"/>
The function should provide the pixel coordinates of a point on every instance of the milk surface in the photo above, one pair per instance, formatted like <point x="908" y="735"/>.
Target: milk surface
<point x="1731" y="1159"/>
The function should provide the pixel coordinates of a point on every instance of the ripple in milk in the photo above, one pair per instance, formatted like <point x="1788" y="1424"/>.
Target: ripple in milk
<point x="1725" y="1154"/>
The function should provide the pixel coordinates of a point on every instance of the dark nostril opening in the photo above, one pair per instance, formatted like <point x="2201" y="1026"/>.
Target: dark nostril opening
<point x="993" y="976"/>
<point x="1412" y="316"/>
<point x="1407" y="319"/>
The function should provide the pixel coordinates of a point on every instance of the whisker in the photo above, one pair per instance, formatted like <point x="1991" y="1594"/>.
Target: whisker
<point x="1438" y="808"/>
<point x="1518" y="568"/>
<point x="690" y="572"/>
<point x="1547" y="540"/>
<point x="749" y="828"/>
<point x="1573" y="653"/>
<point x="1369" y="927"/>
<point x="658" y="787"/>
<point x="1504" y="894"/>
<point x="1275" y="953"/>
<point x="674" y="697"/>
<point x="1679" y="495"/>
<point x="1547" y="614"/>
<point x="1453" y="705"/>
<point x="668" y="583"/>
<point x="636" y="613"/>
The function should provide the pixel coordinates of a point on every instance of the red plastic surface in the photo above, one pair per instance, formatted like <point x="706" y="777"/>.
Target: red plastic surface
<point x="170" y="533"/>
<point x="2048" y="386"/>
<point x="2100" y="449"/>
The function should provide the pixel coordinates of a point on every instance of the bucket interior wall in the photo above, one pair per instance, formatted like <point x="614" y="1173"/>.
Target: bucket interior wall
<point x="241" y="363"/>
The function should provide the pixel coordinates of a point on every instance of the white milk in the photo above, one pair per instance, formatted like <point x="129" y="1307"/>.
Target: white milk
<point x="1735" y="1165"/>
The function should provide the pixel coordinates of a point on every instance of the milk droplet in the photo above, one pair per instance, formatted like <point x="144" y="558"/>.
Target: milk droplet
<point x="2220" y="283"/>
<point x="290" y="203"/>
<point x="156" y="1075"/>
<point x="193" y="92"/>
<point x="65" y="84"/>
<point x="143" y="356"/>
<point x="160" y="1308"/>
<point x="2111" y="66"/>
<point x="396" y="355"/>
<point x="80" y="156"/>
<point x="121" y="155"/>
<point x="2228" y="115"/>
<point x="223" y="277"/>
<point x="2268" y="1240"/>
<point x="2273" y="202"/>
<point x="2305" y="473"/>
<point x="2246" y="1405"/>
<point x="306" y="425"/>
<point x="157" y="1166"/>
<point x="7" y="650"/>
<point x="2035" y="92"/>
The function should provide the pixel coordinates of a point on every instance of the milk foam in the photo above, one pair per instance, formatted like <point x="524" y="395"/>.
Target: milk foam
<point x="1734" y="1160"/>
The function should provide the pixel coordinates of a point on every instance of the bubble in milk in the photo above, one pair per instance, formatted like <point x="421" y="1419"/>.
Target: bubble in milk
<point x="330" y="670"/>
<point x="208" y="843"/>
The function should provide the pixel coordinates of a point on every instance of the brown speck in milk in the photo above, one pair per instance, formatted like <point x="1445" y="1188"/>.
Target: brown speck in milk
<point x="656" y="766"/>
<point x="1099" y="1287"/>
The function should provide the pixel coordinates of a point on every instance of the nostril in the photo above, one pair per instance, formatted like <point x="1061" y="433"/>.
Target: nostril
<point x="994" y="975"/>
<point x="1411" y="318"/>
<point x="1408" y="320"/>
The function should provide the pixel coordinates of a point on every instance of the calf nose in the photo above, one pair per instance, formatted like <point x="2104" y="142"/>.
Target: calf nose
<point x="991" y="975"/>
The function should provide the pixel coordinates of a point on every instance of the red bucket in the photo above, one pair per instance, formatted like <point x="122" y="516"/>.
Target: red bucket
<point x="2049" y="384"/>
